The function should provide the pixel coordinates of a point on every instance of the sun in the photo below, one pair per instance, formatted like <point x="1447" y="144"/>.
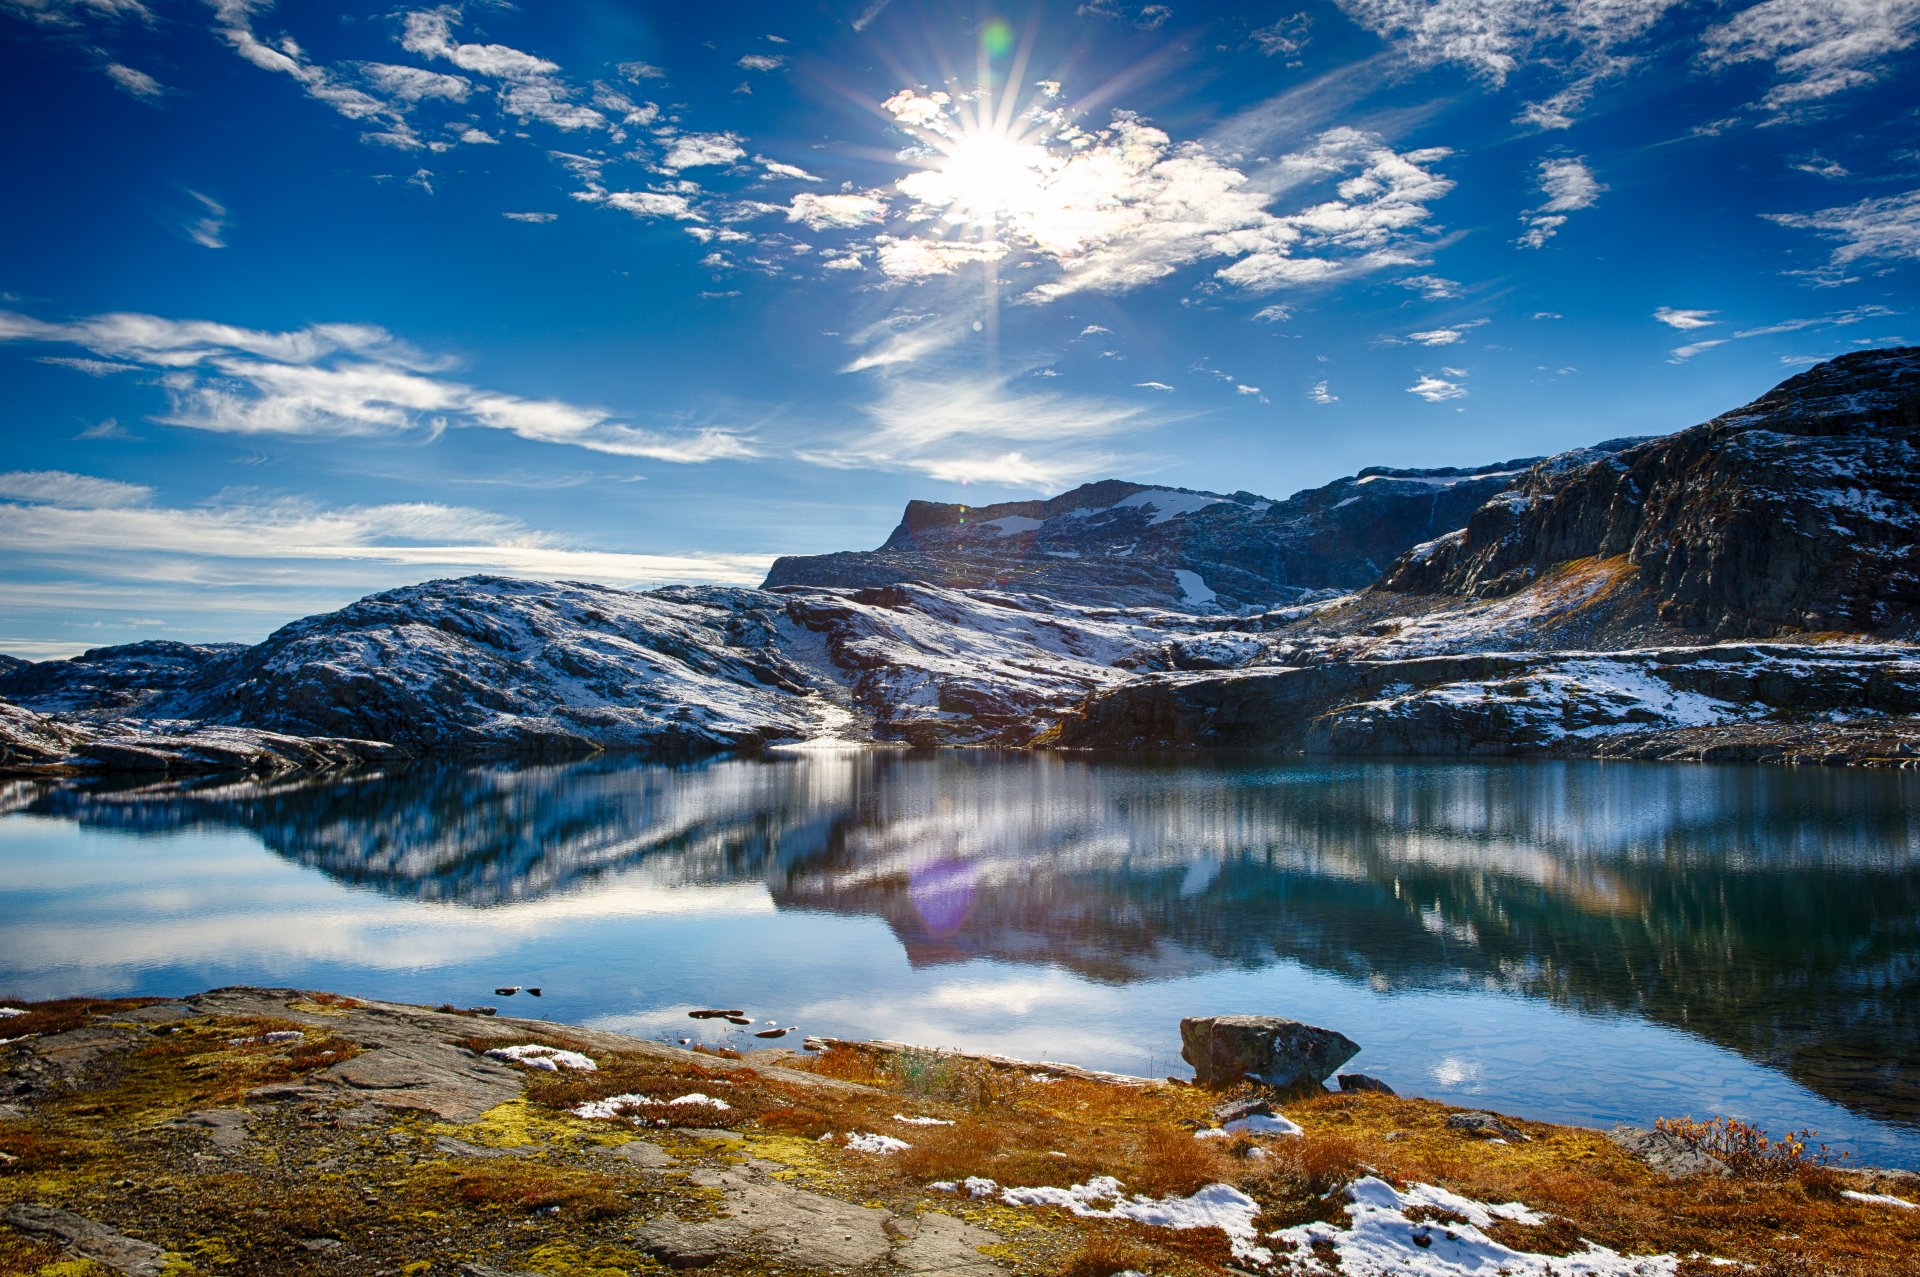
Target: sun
<point x="986" y="177"/>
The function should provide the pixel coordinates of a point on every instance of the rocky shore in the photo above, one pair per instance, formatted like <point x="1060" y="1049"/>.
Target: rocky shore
<point x="273" y="1130"/>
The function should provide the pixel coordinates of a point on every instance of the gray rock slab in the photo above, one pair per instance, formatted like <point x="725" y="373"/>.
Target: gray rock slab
<point x="94" y="1240"/>
<point x="1665" y="1153"/>
<point x="226" y="1128"/>
<point x="1485" y="1126"/>
<point x="641" y="1153"/>
<point x="784" y="1226"/>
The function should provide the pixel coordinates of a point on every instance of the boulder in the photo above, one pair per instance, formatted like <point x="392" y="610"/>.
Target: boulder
<point x="1485" y="1126"/>
<point x="1284" y="1054"/>
<point x="1362" y="1082"/>
<point x="1666" y="1154"/>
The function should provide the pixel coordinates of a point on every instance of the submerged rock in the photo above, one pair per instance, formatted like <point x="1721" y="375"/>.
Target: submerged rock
<point x="1284" y="1054"/>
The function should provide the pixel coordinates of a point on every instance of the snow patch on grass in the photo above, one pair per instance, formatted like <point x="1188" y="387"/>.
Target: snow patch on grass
<point x="550" y="1058"/>
<point x="1381" y="1241"/>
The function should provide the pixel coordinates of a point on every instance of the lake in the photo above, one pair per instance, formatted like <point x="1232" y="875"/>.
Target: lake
<point x="1579" y="942"/>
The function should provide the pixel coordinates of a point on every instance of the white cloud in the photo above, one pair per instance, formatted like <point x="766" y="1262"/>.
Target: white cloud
<point x="1438" y="389"/>
<point x="430" y="34"/>
<point x="1569" y="186"/>
<point x="1153" y="385"/>
<point x="1817" y="48"/>
<point x="228" y="543"/>
<point x="650" y="204"/>
<point x="697" y="150"/>
<point x="774" y="168"/>
<point x="138" y="83"/>
<point x="761" y="62"/>
<point x="1685" y="319"/>
<point x="1884" y="228"/>
<point x="1124" y="205"/>
<point x="1431" y="287"/>
<point x="1321" y="395"/>
<point x="207" y="226"/>
<point x="63" y="488"/>
<point x="1143" y="17"/>
<point x="549" y="101"/>
<point x="535" y="218"/>
<point x="414" y="84"/>
<point x="818" y="212"/>
<point x="1683" y="353"/>
<point x="343" y="379"/>
<point x="1445" y="336"/>
<point x="1273" y="314"/>
<point x="1582" y="42"/>
<point x="66" y="13"/>
<point x="286" y="58"/>
<point x="1284" y="38"/>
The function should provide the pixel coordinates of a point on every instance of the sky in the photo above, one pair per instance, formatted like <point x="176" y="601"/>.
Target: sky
<point x="302" y="301"/>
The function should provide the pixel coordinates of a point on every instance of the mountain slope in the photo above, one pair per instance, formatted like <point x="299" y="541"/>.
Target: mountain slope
<point x="1797" y="512"/>
<point x="1131" y="545"/>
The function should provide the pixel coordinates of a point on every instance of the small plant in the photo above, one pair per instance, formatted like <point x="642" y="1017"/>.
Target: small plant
<point x="1746" y="1150"/>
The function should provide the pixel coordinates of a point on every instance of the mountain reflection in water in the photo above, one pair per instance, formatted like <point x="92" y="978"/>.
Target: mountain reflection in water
<point x="1774" y="912"/>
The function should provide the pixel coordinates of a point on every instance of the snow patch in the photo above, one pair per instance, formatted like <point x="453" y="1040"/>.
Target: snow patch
<point x="922" y="1121"/>
<point x="1167" y="505"/>
<point x="1381" y="1241"/>
<point x="867" y="1142"/>
<point x="1256" y="1124"/>
<point x="1879" y="1199"/>
<point x="1220" y="1206"/>
<point x="1011" y="525"/>
<point x="1193" y="588"/>
<point x="550" y="1058"/>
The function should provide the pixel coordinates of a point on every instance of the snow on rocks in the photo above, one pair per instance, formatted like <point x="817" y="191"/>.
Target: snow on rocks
<point x="550" y="1058"/>
<point x="1252" y="1124"/>
<point x="922" y="1121"/>
<point x="868" y="1142"/>
<point x="1220" y="1206"/>
<point x="620" y="1106"/>
<point x="1879" y="1199"/>
<point x="1381" y="1240"/>
<point x="7" y="1013"/>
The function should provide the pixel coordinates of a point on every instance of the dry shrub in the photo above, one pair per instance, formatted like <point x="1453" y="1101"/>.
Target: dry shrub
<point x="1320" y="1163"/>
<point x="523" y="1184"/>
<point x="1103" y="1254"/>
<point x="1169" y="1163"/>
<point x="1746" y="1149"/>
<point x="1554" y="1236"/>
<point x="42" y="1019"/>
<point x="846" y="1064"/>
<point x="794" y="1119"/>
<point x="721" y="1052"/>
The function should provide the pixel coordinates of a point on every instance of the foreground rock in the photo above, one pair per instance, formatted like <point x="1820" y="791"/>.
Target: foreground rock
<point x="276" y="1131"/>
<point x="1286" y="1055"/>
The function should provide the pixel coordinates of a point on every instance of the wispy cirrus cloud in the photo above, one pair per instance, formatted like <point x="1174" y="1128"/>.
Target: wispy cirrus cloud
<point x="1439" y="389"/>
<point x="1833" y="319"/>
<point x="341" y="380"/>
<point x="1883" y="228"/>
<point x="1685" y="319"/>
<point x="1817" y="48"/>
<point x="1580" y="44"/>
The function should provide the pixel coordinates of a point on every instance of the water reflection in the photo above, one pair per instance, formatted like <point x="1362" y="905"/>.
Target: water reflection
<point x="1773" y="912"/>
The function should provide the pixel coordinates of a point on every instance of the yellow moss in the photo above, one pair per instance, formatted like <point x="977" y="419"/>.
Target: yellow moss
<point x="417" y="1266"/>
<point x="212" y="1250"/>
<point x="305" y="1007"/>
<point x="72" y="1268"/>
<point x="513" y="1124"/>
<point x="565" y="1259"/>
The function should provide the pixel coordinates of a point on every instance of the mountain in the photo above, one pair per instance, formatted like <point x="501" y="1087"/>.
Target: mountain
<point x="1120" y="544"/>
<point x="1797" y="512"/>
<point x="1582" y="605"/>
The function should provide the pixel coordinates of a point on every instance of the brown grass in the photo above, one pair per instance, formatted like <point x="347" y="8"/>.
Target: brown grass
<point x="524" y="1185"/>
<point x="61" y="1015"/>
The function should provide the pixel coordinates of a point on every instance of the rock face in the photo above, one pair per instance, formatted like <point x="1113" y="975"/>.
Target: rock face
<point x="1514" y="703"/>
<point x="1799" y="511"/>
<point x="1284" y="1054"/>
<point x="1131" y="545"/>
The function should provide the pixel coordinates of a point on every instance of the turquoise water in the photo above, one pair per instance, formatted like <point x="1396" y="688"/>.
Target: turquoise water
<point x="1580" y="942"/>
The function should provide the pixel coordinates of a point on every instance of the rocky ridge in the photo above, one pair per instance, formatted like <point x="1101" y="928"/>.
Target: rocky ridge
<point x="1576" y="611"/>
<point x="1118" y="544"/>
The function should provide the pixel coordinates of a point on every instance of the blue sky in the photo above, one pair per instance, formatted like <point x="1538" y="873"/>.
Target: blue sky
<point x="300" y="301"/>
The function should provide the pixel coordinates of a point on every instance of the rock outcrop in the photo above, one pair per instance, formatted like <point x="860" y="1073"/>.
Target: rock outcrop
<point x="1797" y="512"/>
<point x="1286" y="1055"/>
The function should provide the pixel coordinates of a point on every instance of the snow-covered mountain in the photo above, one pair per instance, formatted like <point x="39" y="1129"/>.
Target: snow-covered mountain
<point x="1131" y="545"/>
<point x="1573" y="610"/>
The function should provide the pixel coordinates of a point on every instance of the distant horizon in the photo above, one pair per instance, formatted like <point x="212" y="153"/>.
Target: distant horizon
<point x="297" y="305"/>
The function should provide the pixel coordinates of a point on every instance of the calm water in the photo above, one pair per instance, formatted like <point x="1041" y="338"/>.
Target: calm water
<point x="1581" y="942"/>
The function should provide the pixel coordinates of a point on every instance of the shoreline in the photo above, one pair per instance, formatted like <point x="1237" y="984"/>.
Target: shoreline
<point x="199" y="1132"/>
